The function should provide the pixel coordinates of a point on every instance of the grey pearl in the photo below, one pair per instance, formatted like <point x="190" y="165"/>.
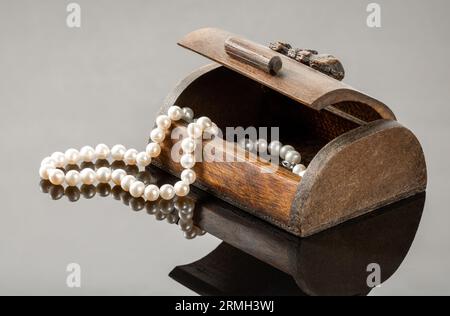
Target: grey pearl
<point x="137" y="204"/>
<point x="293" y="157"/>
<point x="284" y="150"/>
<point x="186" y="225"/>
<point x="166" y="206"/>
<point x="188" y="114"/>
<point x="261" y="145"/>
<point x="172" y="218"/>
<point x="298" y="169"/>
<point x="274" y="147"/>
<point x="185" y="216"/>
<point x="152" y="207"/>
<point x="185" y="205"/>
<point x="159" y="216"/>
<point x="246" y="143"/>
<point x="190" y="234"/>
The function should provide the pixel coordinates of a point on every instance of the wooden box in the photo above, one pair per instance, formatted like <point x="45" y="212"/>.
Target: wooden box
<point x="358" y="156"/>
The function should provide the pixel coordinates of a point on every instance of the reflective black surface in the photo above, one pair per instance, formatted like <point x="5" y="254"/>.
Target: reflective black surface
<point x="256" y="258"/>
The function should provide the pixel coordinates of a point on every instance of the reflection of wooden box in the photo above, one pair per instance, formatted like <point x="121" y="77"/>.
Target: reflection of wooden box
<point x="358" y="156"/>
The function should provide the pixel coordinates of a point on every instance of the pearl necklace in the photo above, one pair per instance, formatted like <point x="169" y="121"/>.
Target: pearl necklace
<point x="51" y="166"/>
<point x="178" y="211"/>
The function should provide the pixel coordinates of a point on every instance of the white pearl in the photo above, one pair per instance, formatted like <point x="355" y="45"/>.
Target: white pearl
<point x="48" y="161"/>
<point x="302" y="173"/>
<point x="188" y="114"/>
<point x="59" y="158"/>
<point x="261" y="145"/>
<point x="72" y="156"/>
<point x="157" y="135"/>
<point x="175" y="113"/>
<point x="293" y="157"/>
<point x="102" y="151"/>
<point x="151" y="192"/>
<point x="87" y="154"/>
<point x="130" y="156"/>
<point x="284" y="150"/>
<point x="188" y="176"/>
<point x="88" y="176"/>
<point x="298" y="168"/>
<point x="153" y="150"/>
<point x="246" y="143"/>
<point x="73" y="178"/>
<point x="56" y="176"/>
<point x="204" y="122"/>
<point x="213" y="130"/>
<point x="194" y="131"/>
<point x="118" y="152"/>
<point x="137" y="189"/>
<point x="188" y="145"/>
<point x="126" y="182"/>
<point x="104" y="174"/>
<point x="117" y="176"/>
<point x="44" y="170"/>
<point x="274" y="147"/>
<point x="143" y="160"/>
<point x="167" y="192"/>
<point x="187" y="161"/>
<point x="181" y="188"/>
<point x="163" y="122"/>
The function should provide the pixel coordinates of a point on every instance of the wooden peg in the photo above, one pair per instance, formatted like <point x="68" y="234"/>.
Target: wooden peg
<point x="253" y="54"/>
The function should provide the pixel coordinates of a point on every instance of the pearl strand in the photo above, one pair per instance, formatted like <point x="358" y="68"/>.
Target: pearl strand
<point x="50" y="168"/>
<point x="179" y="211"/>
<point x="290" y="157"/>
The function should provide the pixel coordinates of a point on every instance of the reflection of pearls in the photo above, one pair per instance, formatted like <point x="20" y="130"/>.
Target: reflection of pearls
<point x="179" y="210"/>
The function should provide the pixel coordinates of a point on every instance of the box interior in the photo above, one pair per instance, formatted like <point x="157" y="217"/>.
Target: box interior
<point x="231" y="100"/>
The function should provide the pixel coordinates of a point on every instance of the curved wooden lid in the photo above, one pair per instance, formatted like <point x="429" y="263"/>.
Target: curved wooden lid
<point x="295" y="80"/>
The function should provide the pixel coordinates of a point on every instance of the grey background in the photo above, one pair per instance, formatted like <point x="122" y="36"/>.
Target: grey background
<point x="62" y="87"/>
